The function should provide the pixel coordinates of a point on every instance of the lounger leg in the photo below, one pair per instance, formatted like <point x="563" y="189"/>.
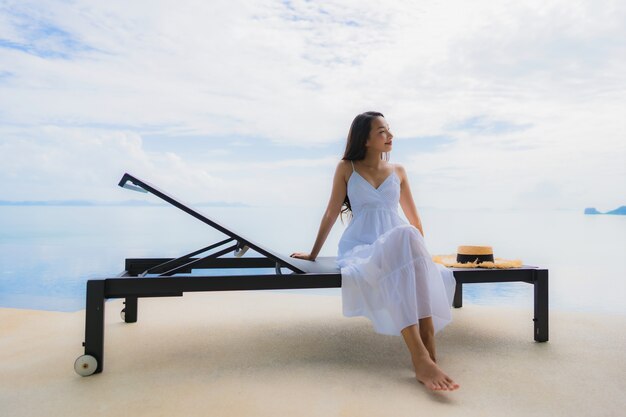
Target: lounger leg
<point x="94" y="322"/>
<point x="541" y="306"/>
<point x="458" y="296"/>
<point x="130" y="310"/>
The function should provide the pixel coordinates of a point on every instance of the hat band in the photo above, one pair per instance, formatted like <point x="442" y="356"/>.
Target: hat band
<point x="474" y="258"/>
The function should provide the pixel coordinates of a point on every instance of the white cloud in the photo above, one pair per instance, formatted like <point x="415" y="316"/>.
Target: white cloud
<point x="297" y="73"/>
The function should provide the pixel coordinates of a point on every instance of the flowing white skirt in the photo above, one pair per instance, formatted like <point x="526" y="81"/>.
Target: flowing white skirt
<point x="394" y="282"/>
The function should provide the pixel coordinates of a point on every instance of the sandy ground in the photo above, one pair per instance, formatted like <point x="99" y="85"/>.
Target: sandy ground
<point x="258" y="353"/>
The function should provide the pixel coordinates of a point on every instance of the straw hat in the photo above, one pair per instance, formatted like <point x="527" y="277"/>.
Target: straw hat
<point x="475" y="257"/>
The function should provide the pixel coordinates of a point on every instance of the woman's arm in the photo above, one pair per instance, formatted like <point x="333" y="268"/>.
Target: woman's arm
<point x="406" y="200"/>
<point x="337" y="197"/>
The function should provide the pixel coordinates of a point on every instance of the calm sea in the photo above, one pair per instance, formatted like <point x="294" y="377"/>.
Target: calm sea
<point x="48" y="253"/>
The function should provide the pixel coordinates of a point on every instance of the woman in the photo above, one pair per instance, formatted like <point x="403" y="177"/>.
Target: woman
<point x="387" y="273"/>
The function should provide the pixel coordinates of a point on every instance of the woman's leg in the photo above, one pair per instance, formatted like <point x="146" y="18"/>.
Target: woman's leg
<point x="426" y="371"/>
<point x="427" y="333"/>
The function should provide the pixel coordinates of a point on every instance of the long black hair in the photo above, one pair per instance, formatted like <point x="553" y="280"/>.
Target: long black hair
<point x="355" y="146"/>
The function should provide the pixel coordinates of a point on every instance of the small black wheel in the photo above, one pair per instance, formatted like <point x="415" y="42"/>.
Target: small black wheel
<point x="123" y="314"/>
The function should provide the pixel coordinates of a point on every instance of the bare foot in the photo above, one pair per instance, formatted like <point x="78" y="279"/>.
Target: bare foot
<point x="428" y="373"/>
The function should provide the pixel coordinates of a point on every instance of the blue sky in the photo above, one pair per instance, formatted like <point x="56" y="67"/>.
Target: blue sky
<point x="493" y="104"/>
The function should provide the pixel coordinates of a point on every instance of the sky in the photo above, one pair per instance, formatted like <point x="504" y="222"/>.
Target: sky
<point x="508" y="104"/>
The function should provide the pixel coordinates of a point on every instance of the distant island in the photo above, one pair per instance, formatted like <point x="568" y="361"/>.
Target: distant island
<point x="620" y="210"/>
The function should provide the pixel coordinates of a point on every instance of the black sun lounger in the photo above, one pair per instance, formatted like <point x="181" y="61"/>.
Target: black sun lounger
<point x="157" y="277"/>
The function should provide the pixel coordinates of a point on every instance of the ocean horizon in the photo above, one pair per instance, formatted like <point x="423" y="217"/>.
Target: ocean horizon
<point x="48" y="253"/>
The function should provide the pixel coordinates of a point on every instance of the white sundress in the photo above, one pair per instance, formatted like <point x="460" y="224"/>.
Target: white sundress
<point x="387" y="273"/>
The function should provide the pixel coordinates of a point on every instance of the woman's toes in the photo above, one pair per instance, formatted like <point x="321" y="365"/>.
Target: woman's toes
<point x="431" y="386"/>
<point x="451" y="383"/>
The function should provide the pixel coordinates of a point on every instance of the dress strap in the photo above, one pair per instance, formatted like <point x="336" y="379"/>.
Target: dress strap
<point x="352" y="165"/>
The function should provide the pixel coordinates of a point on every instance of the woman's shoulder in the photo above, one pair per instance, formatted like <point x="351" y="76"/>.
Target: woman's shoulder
<point x="400" y="171"/>
<point x="344" y="167"/>
<point x="398" y="167"/>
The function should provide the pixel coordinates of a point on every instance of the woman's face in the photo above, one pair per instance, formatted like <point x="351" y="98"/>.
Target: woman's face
<point x="380" y="138"/>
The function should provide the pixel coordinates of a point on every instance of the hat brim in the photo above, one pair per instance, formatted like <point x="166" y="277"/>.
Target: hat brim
<point x="450" y="262"/>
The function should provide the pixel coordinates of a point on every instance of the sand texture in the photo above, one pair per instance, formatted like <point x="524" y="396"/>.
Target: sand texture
<point x="256" y="353"/>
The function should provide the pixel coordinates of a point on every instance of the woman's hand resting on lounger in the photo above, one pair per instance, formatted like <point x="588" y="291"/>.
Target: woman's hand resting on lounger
<point x="302" y="255"/>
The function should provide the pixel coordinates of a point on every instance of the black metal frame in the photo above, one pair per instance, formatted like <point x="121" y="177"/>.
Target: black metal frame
<point x="138" y="279"/>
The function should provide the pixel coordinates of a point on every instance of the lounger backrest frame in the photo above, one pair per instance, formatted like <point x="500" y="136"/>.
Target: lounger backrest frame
<point x="243" y="241"/>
